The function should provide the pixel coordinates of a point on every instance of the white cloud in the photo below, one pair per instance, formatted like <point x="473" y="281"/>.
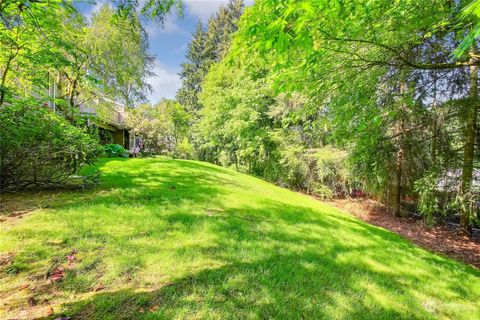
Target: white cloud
<point x="165" y="84"/>
<point x="204" y="9"/>
<point x="169" y="26"/>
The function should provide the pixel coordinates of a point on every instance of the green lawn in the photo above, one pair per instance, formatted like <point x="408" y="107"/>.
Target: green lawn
<point x="173" y="239"/>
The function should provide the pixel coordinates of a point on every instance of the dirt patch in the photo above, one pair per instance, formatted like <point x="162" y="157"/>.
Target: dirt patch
<point x="6" y="258"/>
<point x="11" y="209"/>
<point x="443" y="239"/>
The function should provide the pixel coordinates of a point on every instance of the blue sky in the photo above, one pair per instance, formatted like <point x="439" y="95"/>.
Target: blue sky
<point x="168" y="42"/>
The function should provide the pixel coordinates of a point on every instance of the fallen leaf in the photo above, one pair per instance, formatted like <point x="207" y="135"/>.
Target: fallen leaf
<point x="100" y="286"/>
<point x="25" y="286"/>
<point x="57" y="275"/>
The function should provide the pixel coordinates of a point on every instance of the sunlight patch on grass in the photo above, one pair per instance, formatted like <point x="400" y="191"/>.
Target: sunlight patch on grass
<point x="183" y="239"/>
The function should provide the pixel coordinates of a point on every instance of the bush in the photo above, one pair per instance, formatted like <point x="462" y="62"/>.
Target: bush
<point x="322" y="191"/>
<point x="331" y="170"/>
<point x="429" y="204"/>
<point x="40" y="148"/>
<point x="115" y="151"/>
<point x="184" y="149"/>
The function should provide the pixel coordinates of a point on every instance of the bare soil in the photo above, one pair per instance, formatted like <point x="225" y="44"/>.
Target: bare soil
<point x="444" y="238"/>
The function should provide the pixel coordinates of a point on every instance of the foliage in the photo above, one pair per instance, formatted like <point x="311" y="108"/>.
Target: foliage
<point x="32" y="37"/>
<point x="113" y="150"/>
<point x="39" y="148"/>
<point x="206" y="47"/>
<point x="376" y="79"/>
<point x="428" y="201"/>
<point x="120" y="55"/>
<point x="332" y="170"/>
<point x="194" y="70"/>
<point x="184" y="149"/>
<point x="161" y="126"/>
<point x="234" y="118"/>
<point x="228" y="245"/>
<point x="470" y="203"/>
<point x="469" y="18"/>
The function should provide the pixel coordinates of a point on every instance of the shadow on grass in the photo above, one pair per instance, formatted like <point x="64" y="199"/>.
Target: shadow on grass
<point x="308" y="285"/>
<point x="273" y="259"/>
<point x="302" y="272"/>
<point x="281" y="287"/>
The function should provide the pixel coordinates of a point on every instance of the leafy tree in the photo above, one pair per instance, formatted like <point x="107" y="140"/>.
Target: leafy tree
<point x="162" y="126"/>
<point x="374" y="66"/>
<point x="235" y="118"/>
<point x="121" y="60"/>
<point x="31" y="35"/>
<point x="206" y="48"/>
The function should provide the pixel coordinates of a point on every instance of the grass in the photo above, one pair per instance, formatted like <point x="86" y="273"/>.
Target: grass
<point x="173" y="239"/>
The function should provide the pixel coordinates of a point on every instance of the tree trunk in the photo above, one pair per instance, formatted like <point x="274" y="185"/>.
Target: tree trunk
<point x="398" y="184"/>
<point x="397" y="207"/>
<point x="434" y="141"/>
<point x="3" y="81"/>
<point x="469" y="146"/>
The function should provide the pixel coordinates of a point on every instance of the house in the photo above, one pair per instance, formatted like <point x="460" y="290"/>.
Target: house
<point x="111" y="122"/>
<point x="111" y="118"/>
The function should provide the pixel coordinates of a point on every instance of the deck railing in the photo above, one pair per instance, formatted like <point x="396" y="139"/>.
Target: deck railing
<point x="106" y="111"/>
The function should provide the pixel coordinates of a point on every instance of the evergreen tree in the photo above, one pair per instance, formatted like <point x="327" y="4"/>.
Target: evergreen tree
<point x="221" y="27"/>
<point x="193" y="71"/>
<point x="207" y="47"/>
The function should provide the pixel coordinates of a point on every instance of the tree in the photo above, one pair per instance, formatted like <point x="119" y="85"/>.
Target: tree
<point x="206" y="48"/>
<point x="162" y="127"/>
<point x="221" y="27"/>
<point x="121" y="60"/>
<point x="193" y="71"/>
<point x="234" y="119"/>
<point x="358" y="55"/>
<point x="31" y="39"/>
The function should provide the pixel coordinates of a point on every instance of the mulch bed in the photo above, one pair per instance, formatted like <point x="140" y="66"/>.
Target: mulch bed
<point x="443" y="239"/>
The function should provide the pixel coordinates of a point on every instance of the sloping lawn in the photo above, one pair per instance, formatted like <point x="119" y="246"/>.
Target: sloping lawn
<point x="173" y="239"/>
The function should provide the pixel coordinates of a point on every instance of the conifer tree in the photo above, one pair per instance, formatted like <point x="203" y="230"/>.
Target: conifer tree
<point x="193" y="71"/>
<point x="206" y="48"/>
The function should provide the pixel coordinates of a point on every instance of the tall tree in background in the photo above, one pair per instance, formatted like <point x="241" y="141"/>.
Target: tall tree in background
<point x="206" y="48"/>
<point x="221" y="28"/>
<point x="122" y="61"/>
<point x="193" y="70"/>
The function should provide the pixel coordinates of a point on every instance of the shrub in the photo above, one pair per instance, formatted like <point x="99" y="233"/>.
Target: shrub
<point x="40" y="148"/>
<point x="331" y="170"/>
<point x="295" y="167"/>
<point x="428" y="201"/>
<point x="322" y="191"/>
<point x="184" y="149"/>
<point x="115" y="151"/>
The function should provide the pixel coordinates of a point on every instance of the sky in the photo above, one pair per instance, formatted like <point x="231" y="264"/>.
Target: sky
<point x="168" y="42"/>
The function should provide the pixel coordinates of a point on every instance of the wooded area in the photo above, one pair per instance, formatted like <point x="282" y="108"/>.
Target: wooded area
<point x="340" y="98"/>
<point x="372" y="103"/>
